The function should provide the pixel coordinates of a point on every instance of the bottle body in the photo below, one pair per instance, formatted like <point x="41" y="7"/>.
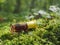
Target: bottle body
<point x="23" y="27"/>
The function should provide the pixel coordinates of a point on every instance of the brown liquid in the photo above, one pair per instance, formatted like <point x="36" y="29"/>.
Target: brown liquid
<point x="20" y="27"/>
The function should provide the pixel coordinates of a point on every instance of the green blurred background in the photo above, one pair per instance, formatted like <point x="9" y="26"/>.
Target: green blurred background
<point x="14" y="11"/>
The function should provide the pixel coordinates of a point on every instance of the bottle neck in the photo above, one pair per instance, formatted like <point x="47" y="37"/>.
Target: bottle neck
<point x="31" y="24"/>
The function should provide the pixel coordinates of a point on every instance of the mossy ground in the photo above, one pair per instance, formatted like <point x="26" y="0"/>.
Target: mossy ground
<point x="47" y="34"/>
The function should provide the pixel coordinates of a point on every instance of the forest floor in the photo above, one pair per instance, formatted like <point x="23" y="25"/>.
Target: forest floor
<point x="42" y="35"/>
